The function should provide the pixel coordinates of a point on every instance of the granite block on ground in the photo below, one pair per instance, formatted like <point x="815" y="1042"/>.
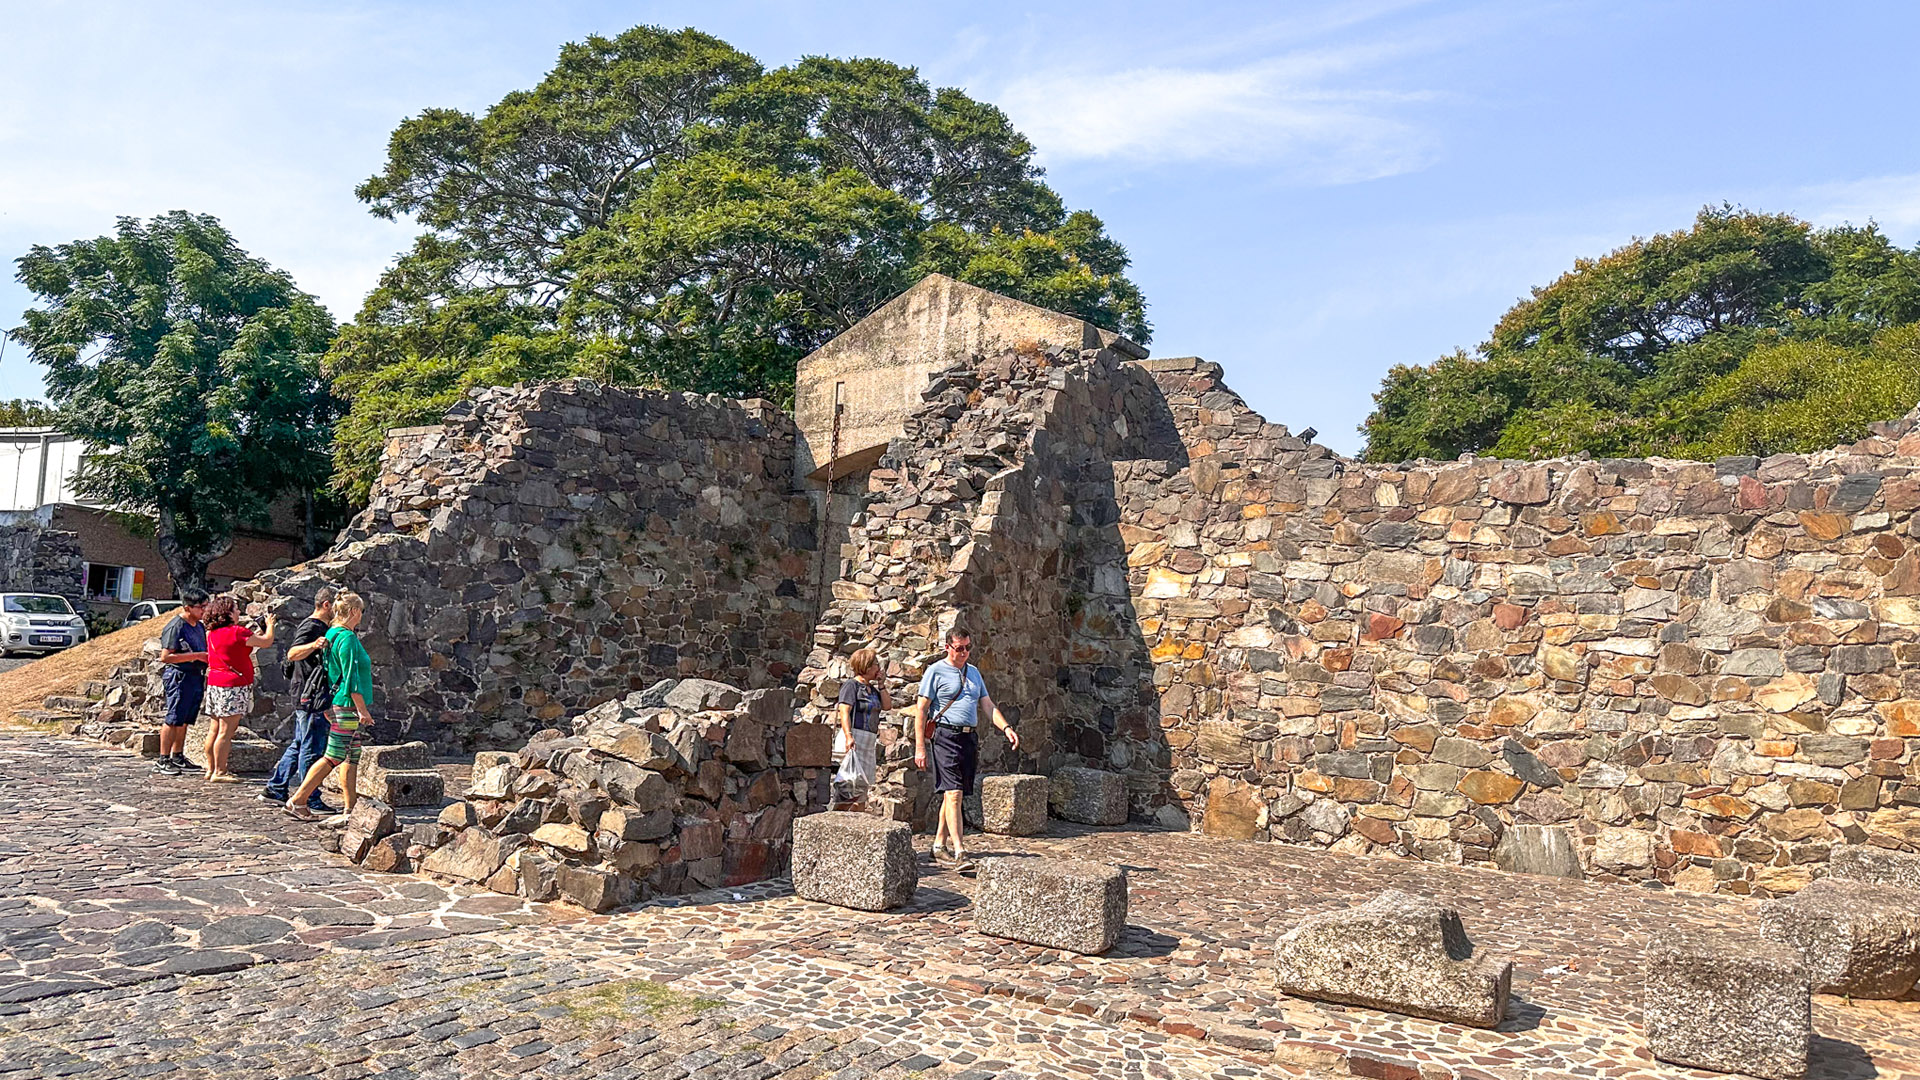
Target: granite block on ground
<point x="1728" y="1001"/>
<point x="1088" y="796"/>
<point x="1855" y="937"/>
<point x="1057" y="903"/>
<point x="1399" y="953"/>
<point x="1014" y="805"/>
<point x="1858" y="862"/>
<point x="401" y="774"/>
<point x="854" y="860"/>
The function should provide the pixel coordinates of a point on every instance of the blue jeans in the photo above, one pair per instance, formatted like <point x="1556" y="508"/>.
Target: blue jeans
<point x="308" y="742"/>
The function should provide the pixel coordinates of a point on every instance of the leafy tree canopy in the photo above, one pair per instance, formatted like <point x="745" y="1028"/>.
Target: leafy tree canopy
<point x="662" y="211"/>
<point x="192" y="367"/>
<point x="1747" y="334"/>
<point x="22" y="412"/>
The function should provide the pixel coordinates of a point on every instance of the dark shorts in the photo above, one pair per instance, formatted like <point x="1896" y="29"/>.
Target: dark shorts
<point x="956" y="757"/>
<point x="183" y="701"/>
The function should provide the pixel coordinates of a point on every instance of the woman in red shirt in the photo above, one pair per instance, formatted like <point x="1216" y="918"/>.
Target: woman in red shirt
<point x="230" y="648"/>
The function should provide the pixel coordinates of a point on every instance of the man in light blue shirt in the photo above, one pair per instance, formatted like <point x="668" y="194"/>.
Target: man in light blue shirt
<point x="953" y="697"/>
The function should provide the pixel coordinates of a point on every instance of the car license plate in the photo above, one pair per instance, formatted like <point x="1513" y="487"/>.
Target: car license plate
<point x="49" y="639"/>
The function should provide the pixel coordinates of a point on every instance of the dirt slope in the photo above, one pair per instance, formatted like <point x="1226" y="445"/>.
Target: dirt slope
<point x="68" y="672"/>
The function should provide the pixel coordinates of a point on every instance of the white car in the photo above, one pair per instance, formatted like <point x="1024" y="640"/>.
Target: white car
<point x="38" y="623"/>
<point x="148" y="609"/>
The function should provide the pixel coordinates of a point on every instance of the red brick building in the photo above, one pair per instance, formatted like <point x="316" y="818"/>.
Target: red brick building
<point x="122" y="558"/>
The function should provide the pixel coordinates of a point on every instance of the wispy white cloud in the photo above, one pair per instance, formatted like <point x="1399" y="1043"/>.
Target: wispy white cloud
<point x="1319" y="94"/>
<point x="1287" y="112"/>
<point x="1891" y="201"/>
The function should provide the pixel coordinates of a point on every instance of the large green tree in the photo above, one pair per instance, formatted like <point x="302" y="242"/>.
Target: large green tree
<point x="193" y="371"/>
<point x="662" y="211"/>
<point x="1747" y="333"/>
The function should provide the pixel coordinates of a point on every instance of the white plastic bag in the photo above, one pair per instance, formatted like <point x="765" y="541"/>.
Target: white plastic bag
<point x="858" y="766"/>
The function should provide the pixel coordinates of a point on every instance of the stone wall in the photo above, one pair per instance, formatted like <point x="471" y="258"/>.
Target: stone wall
<point x="1707" y="674"/>
<point x="35" y="557"/>
<point x="996" y="512"/>
<point x="551" y="547"/>
<point x="960" y="525"/>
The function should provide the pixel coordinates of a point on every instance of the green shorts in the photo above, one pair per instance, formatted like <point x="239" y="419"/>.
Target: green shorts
<point x="343" y="735"/>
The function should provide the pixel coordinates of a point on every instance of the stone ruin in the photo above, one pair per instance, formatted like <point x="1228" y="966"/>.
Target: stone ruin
<point x="1703" y="675"/>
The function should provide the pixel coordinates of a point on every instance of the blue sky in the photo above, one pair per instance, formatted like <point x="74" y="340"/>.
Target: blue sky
<point x="1311" y="193"/>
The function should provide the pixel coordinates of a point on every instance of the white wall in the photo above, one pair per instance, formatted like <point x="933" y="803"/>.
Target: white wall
<point x="24" y="453"/>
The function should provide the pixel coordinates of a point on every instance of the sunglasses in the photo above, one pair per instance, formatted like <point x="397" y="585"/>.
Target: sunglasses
<point x="959" y="648"/>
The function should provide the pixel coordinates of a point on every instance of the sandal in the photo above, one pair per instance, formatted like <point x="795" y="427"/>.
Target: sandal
<point x="225" y="778"/>
<point x="299" y="813"/>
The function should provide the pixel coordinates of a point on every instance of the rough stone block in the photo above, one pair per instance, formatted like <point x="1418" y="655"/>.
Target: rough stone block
<point x="539" y="877"/>
<point x="246" y="755"/>
<point x="1088" y="796"/>
<point x="1014" y="805"/>
<point x="1538" y="849"/>
<point x="1858" y="862"/>
<point x="701" y="695"/>
<point x="1732" y="1002"/>
<point x="495" y="783"/>
<point x="406" y="755"/>
<point x="374" y="817"/>
<point x="854" y="860"/>
<point x="630" y="823"/>
<point x="810" y="746"/>
<point x="487" y="759"/>
<point x="594" y="888"/>
<point x="1855" y="937"/>
<point x="474" y="855"/>
<point x="1057" y="903"/>
<point x="388" y="856"/>
<point x="1396" y="952"/>
<point x="404" y="787"/>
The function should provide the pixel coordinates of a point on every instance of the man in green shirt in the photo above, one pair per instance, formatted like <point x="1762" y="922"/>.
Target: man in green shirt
<point x="350" y="670"/>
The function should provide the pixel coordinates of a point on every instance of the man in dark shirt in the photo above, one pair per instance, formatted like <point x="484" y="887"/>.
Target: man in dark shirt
<point x="306" y="671"/>
<point x="183" y="652"/>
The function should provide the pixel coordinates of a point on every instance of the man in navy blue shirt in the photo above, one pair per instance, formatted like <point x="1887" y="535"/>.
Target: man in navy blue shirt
<point x="953" y="697"/>
<point x="183" y="654"/>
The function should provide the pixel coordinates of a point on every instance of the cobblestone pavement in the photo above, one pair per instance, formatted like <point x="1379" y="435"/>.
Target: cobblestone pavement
<point x="111" y="875"/>
<point x="752" y="982"/>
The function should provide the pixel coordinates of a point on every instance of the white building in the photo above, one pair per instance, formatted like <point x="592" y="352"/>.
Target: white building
<point x="37" y="467"/>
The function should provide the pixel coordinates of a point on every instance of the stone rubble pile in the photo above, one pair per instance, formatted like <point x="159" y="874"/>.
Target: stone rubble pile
<point x="687" y="785"/>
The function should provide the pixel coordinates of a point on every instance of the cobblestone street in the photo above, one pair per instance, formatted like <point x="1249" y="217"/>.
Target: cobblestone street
<point x="157" y="926"/>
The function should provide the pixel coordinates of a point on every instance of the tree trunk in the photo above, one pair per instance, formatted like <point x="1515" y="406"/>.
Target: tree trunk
<point x="188" y="568"/>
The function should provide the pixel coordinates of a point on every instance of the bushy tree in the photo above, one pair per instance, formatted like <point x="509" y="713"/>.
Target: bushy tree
<point x="23" y="412"/>
<point x="191" y="368"/>
<point x="1669" y="345"/>
<point x="662" y="211"/>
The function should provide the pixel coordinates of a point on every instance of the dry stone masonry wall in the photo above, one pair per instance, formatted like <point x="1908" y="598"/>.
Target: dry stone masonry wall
<point x="35" y="557"/>
<point x="1705" y="673"/>
<point x="996" y="512"/>
<point x="555" y="546"/>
